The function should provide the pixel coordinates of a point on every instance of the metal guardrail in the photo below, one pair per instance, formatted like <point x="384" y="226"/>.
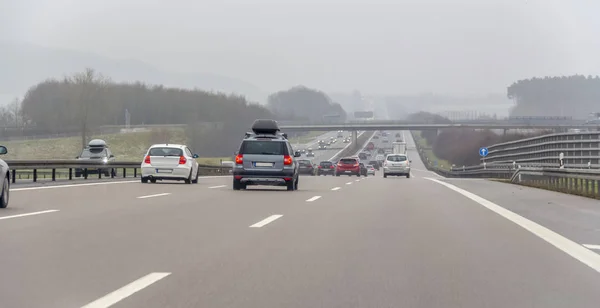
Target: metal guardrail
<point x="579" y="150"/>
<point x="66" y="168"/>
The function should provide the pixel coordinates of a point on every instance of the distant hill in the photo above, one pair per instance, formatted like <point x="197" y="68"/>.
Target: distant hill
<point x="24" y="65"/>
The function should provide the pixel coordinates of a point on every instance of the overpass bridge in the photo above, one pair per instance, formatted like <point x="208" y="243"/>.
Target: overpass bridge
<point x="374" y="125"/>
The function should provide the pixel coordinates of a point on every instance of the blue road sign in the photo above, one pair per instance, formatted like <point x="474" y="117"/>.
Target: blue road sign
<point x="483" y="152"/>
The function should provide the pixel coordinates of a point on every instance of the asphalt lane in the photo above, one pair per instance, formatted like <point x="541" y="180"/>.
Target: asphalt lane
<point x="336" y="242"/>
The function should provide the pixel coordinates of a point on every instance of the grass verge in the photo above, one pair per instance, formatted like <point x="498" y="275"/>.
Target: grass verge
<point x="428" y="152"/>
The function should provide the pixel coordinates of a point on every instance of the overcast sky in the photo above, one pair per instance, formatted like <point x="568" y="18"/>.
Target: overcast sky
<point x="378" y="47"/>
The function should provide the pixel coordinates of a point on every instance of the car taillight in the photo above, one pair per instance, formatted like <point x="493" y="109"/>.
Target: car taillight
<point x="239" y="159"/>
<point x="287" y="160"/>
<point x="331" y="166"/>
<point x="182" y="160"/>
<point x="355" y="165"/>
<point x="147" y="159"/>
<point x="319" y="167"/>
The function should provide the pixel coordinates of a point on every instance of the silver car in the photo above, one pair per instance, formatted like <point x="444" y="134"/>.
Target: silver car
<point x="5" y="170"/>
<point x="396" y="164"/>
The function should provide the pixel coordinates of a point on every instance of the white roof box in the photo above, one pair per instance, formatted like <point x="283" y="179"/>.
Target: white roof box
<point x="97" y="143"/>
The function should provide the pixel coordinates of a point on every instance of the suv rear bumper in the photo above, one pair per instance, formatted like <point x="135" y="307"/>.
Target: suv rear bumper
<point x="264" y="178"/>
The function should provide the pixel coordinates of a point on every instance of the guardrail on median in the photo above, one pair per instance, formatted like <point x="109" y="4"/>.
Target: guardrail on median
<point x="66" y="168"/>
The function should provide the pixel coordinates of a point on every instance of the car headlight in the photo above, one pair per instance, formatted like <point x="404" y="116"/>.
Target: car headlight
<point x="105" y="160"/>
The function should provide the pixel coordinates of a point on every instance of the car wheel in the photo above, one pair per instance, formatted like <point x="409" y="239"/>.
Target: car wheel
<point x="385" y="175"/>
<point x="237" y="185"/>
<point x="77" y="174"/>
<point x="5" y="193"/>
<point x="153" y="181"/>
<point x="290" y="185"/>
<point x="195" y="180"/>
<point x="144" y="180"/>
<point x="297" y="182"/>
<point x="189" y="179"/>
<point x="408" y="175"/>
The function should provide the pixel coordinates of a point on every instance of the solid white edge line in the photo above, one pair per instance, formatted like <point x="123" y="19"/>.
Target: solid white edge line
<point x="590" y="246"/>
<point x="266" y="221"/>
<point x="28" y="214"/>
<point x="575" y="250"/>
<point x="218" y="186"/>
<point x="126" y="291"/>
<point x="152" y="196"/>
<point x="313" y="199"/>
<point x="98" y="183"/>
<point x="336" y="188"/>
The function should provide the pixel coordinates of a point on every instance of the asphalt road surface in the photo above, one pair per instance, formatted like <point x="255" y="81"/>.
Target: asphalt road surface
<point x="336" y="242"/>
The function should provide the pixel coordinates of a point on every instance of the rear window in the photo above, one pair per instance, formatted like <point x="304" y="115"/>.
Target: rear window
<point x="348" y="161"/>
<point x="326" y="163"/>
<point x="396" y="158"/>
<point x="369" y="166"/>
<point x="304" y="162"/>
<point x="165" y="152"/>
<point x="93" y="152"/>
<point x="263" y="147"/>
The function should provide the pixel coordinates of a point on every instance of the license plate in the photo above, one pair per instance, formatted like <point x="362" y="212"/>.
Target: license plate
<point x="348" y="171"/>
<point x="164" y="170"/>
<point x="259" y="164"/>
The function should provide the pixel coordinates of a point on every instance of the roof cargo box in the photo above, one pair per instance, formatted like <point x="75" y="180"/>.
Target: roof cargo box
<point x="265" y="127"/>
<point x="97" y="143"/>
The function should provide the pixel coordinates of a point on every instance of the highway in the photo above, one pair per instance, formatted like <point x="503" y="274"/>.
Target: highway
<point x="336" y="242"/>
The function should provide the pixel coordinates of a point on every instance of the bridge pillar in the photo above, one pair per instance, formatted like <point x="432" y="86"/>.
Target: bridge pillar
<point x="354" y="136"/>
<point x="505" y="130"/>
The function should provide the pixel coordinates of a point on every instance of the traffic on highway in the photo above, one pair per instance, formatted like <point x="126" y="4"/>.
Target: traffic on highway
<point x="364" y="226"/>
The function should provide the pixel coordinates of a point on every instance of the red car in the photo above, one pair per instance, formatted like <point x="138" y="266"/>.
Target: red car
<point x="349" y="166"/>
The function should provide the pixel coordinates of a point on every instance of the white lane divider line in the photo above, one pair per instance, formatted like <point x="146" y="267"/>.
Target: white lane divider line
<point x="590" y="246"/>
<point x="349" y="183"/>
<point x="336" y="188"/>
<point x="152" y="196"/>
<point x="357" y="180"/>
<point x="218" y="186"/>
<point x="313" y="199"/>
<point x="28" y="214"/>
<point x="71" y="185"/>
<point x="126" y="291"/>
<point x="575" y="250"/>
<point x="266" y="221"/>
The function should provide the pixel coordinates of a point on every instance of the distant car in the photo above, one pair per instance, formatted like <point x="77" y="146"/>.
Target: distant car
<point x="363" y="169"/>
<point x="396" y="165"/>
<point x="5" y="170"/>
<point x="381" y="151"/>
<point x="96" y="150"/>
<point x="398" y="135"/>
<point x="265" y="157"/>
<point x="371" y="169"/>
<point x="325" y="168"/>
<point x="349" y="166"/>
<point x="347" y="140"/>
<point x="328" y="142"/>
<point x="375" y="137"/>
<point x="310" y="153"/>
<point x="170" y="162"/>
<point x="374" y="163"/>
<point x="385" y="140"/>
<point x="306" y="167"/>
<point x="322" y="147"/>
<point x="340" y="134"/>
<point x="362" y="155"/>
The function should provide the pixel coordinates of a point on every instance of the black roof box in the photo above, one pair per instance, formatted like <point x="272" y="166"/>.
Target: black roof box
<point x="265" y="127"/>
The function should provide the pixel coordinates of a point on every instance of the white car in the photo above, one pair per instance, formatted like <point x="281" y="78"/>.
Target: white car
<point x="5" y="171"/>
<point x="170" y="162"/>
<point x="370" y="169"/>
<point x="396" y="165"/>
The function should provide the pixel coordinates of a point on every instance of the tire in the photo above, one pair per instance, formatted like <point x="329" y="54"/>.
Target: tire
<point x="195" y="181"/>
<point x="77" y="174"/>
<point x="337" y="175"/>
<point x="384" y="175"/>
<point x="358" y="174"/>
<point x="408" y="175"/>
<point x="237" y="185"/>
<point x="153" y="181"/>
<point x="296" y="184"/>
<point x="5" y="193"/>
<point x="144" y="180"/>
<point x="189" y="179"/>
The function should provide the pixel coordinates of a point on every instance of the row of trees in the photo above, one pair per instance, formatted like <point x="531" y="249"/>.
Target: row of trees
<point x="215" y="121"/>
<point x="302" y="103"/>
<point x="575" y="96"/>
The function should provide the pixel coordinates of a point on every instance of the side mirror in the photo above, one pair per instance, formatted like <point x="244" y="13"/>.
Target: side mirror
<point x="195" y="156"/>
<point x="3" y="150"/>
<point x="410" y="161"/>
<point x="297" y="154"/>
<point x="112" y="156"/>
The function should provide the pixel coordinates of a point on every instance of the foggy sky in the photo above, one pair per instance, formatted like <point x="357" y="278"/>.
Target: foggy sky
<point x="379" y="47"/>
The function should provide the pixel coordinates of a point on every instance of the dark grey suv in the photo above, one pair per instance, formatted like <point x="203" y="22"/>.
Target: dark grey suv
<point x="265" y="157"/>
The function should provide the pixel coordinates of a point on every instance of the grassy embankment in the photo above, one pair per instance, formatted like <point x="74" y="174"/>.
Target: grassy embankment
<point x="422" y="143"/>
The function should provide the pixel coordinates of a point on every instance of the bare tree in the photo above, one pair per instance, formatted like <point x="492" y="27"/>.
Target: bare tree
<point x="16" y="112"/>
<point x="89" y="87"/>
